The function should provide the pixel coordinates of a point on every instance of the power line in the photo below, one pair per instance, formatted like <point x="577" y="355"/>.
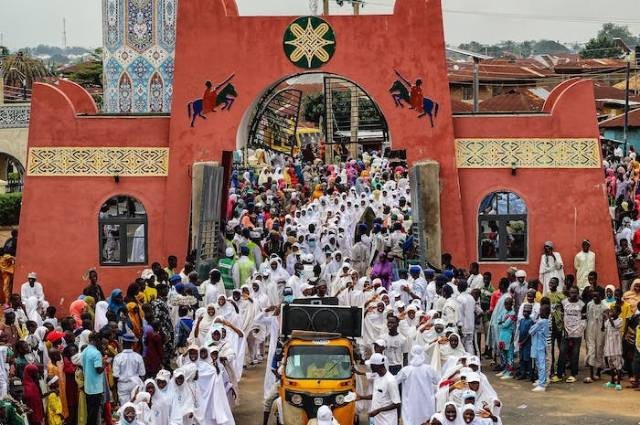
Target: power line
<point x="576" y="19"/>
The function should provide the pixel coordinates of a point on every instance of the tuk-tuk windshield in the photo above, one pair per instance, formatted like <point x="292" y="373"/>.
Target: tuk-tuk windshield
<point x="318" y="362"/>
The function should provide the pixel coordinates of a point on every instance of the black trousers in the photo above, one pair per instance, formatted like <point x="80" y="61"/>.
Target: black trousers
<point x="94" y="403"/>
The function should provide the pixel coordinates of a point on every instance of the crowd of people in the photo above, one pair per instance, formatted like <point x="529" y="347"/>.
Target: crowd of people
<point x="173" y="347"/>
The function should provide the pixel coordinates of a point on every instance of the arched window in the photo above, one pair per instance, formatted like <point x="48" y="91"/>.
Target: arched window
<point x="502" y="228"/>
<point x="122" y="226"/>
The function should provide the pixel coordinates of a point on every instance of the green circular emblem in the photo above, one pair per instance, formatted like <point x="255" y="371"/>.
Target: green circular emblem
<point x="309" y="42"/>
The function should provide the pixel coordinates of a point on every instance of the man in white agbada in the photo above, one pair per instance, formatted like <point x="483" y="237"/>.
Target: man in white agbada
<point x="418" y="381"/>
<point x="584" y="262"/>
<point x="551" y="265"/>
<point x="32" y="288"/>
<point x="128" y="369"/>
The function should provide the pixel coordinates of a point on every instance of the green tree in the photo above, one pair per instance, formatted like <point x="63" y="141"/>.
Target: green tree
<point x="3" y="51"/>
<point x="612" y="31"/>
<point x="601" y="47"/>
<point x="20" y="66"/>
<point x="604" y="45"/>
<point x="313" y="107"/>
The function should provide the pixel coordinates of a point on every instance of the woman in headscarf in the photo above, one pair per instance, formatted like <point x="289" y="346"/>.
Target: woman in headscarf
<point x="32" y="396"/>
<point x="213" y="406"/>
<point x="116" y="303"/>
<point x="225" y="309"/>
<point x="451" y="414"/>
<point x="135" y="319"/>
<point x="76" y="309"/>
<point x="383" y="270"/>
<point x="31" y="308"/>
<point x="100" y="320"/>
<point x="182" y="400"/>
<point x="451" y="352"/>
<point x="142" y="400"/>
<point x="632" y="296"/>
<point x="160" y="397"/>
<point x="91" y="307"/>
<point x="374" y="324"/>
<point x="202" y="328"/>
<point x="128" y="415"/>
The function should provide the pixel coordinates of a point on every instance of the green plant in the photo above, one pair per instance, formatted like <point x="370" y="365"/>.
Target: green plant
<point x="10" y="204"/>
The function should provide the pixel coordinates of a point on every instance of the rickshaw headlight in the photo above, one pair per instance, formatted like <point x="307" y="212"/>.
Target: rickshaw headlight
<point x="340" y="399"/>
<point x="296" y="399"/>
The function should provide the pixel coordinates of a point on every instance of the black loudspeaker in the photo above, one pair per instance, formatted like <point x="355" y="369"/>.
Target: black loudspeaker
<point x="343" y="320"/>
<point x="316" y="301"/>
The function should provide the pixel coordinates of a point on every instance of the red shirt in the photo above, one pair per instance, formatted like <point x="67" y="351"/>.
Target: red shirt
<point x="494" y="299"/>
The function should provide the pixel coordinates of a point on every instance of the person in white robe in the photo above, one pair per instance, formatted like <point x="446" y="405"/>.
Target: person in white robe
<point x="160" y="399"/>
<point x="213" y="406"/>
<point x="551" y="265"/>
<point x="584" y="262"/>
<point x="182" y="400"/>
<point x="418" y="381"/>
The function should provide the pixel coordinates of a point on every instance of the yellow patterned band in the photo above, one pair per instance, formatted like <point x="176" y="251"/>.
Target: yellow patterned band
<point x="528" y="153"/>
<point x="113" y="161"/>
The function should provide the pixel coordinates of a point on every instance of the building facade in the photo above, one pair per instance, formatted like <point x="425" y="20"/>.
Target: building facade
<point x="139" y="39"/>
<point x="116" y="192"/>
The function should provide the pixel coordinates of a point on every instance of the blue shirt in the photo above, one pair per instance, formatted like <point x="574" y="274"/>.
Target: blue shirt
<point x="93" y="381"/>
<point x="539" y="333"/>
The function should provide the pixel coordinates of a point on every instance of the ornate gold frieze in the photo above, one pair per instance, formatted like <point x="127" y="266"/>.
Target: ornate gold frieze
<point x="95" y="162"/>
<point x="528" y="153"/>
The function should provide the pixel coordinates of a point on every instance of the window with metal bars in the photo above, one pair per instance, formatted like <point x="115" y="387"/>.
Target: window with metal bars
<point x="122" y="230"/>
<point x="502" y="228"/>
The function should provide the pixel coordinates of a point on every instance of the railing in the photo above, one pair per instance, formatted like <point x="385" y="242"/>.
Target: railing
<point x="14" y="186"/>
<point x="14" y="115"/>
<point x="16" y="94"/>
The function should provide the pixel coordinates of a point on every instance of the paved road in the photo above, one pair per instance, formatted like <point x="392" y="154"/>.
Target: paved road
<point x="562" y="404"/>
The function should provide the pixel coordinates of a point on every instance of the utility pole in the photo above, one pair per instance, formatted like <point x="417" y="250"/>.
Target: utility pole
<point x="64" y="33"/>
<point x="629" y="57"/>
<point x="356" y="7"/>
<point x="325" y="7"/>
<point x="476" y="84"/>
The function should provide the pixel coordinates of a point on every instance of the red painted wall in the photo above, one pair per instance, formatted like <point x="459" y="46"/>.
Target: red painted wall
<point x="565" y="205"/>
<point x="59" y="217"/>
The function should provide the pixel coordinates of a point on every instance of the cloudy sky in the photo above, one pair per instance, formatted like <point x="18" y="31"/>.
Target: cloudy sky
<point x="32" y="22"/>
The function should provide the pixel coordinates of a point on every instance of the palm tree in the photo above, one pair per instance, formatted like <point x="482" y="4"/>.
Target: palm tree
<point x="18" y="67"/>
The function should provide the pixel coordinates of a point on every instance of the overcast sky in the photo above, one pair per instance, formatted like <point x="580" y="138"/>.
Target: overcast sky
<point x="31" y="22"/>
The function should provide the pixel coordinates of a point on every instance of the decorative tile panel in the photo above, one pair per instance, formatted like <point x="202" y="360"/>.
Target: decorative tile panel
<point x="96" y="162"/>
<point x="139" y="47"/>
<point x="14" y="115"/>
<point x="528" y="153"/>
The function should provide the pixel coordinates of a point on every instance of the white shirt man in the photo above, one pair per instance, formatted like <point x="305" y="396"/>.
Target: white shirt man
<point x="385" y="392"/>
<point x="467" y="316"/>
<point x="128" y="368"/>
<point x="32" y="288"/>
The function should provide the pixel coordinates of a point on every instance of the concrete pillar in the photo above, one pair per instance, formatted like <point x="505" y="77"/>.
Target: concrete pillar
<point x="328" y="137"/>
<point x="355" y="121"/>
<point x="425" y="203"/>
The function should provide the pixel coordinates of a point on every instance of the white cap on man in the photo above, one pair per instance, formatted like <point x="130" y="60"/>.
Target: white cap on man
<point x="32" y="275"/>
<point x="376" y="359"/>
